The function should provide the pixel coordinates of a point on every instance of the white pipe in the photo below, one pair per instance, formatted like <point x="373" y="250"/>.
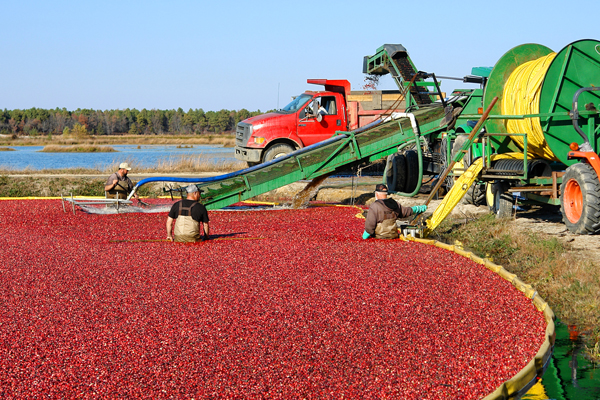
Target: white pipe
<point x="411" y="116"/>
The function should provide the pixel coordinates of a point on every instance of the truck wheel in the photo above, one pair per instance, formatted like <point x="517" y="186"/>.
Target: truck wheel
<point x="276" y="151"/>
<point x="580" y="199"/>
<point x="412" y="171"/>
<point x="503" y="200"/>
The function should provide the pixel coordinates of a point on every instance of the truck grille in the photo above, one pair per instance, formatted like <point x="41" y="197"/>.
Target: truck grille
<point x="242" y="133"/>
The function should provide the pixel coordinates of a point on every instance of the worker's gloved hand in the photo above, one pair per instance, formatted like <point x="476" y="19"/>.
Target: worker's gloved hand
<point x="419" y="209"/>
<point x="366" y="235"/>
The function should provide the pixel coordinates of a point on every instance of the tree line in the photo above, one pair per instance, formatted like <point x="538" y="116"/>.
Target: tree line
<point x="38" y="121"/>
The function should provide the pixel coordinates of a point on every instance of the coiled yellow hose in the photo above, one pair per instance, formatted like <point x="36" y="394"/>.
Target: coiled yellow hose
<point x="521" y="95"/>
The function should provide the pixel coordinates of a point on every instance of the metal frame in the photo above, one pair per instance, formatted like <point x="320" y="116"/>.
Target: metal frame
<point x="83" y="201"/>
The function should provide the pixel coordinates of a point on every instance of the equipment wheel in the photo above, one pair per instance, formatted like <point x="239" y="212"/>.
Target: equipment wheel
<point x="396" y="173"/>
<point x="412" y="171"/>
<point x="475" y="195"/>
<point x="580" y="199"/>
<point x="399" y="163"/>
<point x="276" y="151"/>
<point x="503" y="200"/>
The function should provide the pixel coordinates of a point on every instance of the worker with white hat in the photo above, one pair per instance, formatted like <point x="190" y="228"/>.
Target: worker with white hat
<point x="189" y="214"/>
<point x="118" y="185"/>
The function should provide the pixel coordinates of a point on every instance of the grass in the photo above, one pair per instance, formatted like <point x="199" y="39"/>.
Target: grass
<point x="6" y="149"/>
<point x="194" y="163"/>
<point x="569" y="283"/>
<point x="55" y="186"/>
<point x="52" y="148"/>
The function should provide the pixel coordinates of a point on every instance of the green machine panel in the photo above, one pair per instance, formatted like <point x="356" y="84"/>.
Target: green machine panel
<point x="576" y="66"/>
<point x="495" y="87"/>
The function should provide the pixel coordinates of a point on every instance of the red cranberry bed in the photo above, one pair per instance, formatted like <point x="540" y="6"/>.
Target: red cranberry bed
<point x="280" y="304"/>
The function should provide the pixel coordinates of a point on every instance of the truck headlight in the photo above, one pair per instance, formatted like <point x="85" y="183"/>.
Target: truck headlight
<point x="259" y="140"/>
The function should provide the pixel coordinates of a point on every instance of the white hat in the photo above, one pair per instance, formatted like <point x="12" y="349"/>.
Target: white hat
<point x="124" y="165"/>
<point x="191" y="189"/>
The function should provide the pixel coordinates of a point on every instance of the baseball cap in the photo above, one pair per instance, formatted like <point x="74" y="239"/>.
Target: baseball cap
<point x="381" y="188"/>
<point x="124" y="165"/>
<point x="192" y="189"/>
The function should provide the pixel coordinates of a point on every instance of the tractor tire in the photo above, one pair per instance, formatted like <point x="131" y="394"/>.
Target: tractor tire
<point x="475" y="195"/>
<point x="276" y="151"/>
<point x="580" y="199"/>
<point x="502" y="200"/>
<point x="412" y="171"/>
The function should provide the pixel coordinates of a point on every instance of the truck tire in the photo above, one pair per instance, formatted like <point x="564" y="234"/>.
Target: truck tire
<point x="580" y="199"/>
<point x="412" y="171"/>
<point x="502" y="200"/>
<point x="276" y="151"/>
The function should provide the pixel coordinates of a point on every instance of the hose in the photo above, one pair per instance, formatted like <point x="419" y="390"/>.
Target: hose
<point x="521" y="96"/>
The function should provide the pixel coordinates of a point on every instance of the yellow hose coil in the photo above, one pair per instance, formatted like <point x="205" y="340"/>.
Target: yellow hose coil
<point x="461" y="186"/>
<point x="521" y="96"/>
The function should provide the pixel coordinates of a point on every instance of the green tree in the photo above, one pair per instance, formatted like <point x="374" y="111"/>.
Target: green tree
<point x="80" y="131"/>
<point x="133" y="129"/>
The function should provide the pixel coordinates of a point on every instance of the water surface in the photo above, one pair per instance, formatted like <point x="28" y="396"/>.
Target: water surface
<point x="145" y="156"/>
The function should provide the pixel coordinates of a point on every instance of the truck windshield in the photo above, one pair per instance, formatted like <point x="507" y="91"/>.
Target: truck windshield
<point x="296" y="104"/>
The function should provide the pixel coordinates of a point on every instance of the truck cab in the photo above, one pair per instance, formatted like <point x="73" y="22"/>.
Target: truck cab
<point x="309" y="118"/>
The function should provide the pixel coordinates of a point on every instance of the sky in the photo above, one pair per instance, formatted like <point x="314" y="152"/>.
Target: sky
<point x="255" y="55"/>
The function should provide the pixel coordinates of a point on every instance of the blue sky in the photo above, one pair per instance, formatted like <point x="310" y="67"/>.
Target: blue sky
<point x="239" y="54"/>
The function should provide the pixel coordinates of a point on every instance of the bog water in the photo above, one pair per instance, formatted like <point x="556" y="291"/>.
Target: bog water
<point x="143" y="156"/>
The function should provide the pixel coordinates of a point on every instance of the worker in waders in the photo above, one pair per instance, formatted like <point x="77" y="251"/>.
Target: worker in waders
<point x="383" y="213"/>
<point x="190" y="216"/>
<point x="118" y="185"/>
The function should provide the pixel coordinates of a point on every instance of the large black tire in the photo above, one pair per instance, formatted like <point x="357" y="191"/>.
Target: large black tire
<point x="503" y="200"/>
<point x="276" y="151"/>
<point x="396" y="173"/>
<point x="412" y="171"/>
<point x="475" y="195"/>
<point x="400" y="172"/>
<point x="580" y="199"/>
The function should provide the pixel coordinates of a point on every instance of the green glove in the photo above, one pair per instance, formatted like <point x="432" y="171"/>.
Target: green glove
<point x="366" y="235"/>
<point x="419" y="209"/>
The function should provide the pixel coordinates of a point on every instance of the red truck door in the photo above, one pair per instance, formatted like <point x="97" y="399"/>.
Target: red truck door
<point x="310" y="129"/>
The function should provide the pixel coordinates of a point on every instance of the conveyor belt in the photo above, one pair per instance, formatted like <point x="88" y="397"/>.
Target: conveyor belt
<point x="370" y="143"/>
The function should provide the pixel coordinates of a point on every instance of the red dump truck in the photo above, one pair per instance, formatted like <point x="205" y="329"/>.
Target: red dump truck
<point x="310" y="118"/>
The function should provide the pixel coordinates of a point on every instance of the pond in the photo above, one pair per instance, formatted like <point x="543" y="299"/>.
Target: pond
<point x="143" y="156"/>
<point x="570" y="376"/>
